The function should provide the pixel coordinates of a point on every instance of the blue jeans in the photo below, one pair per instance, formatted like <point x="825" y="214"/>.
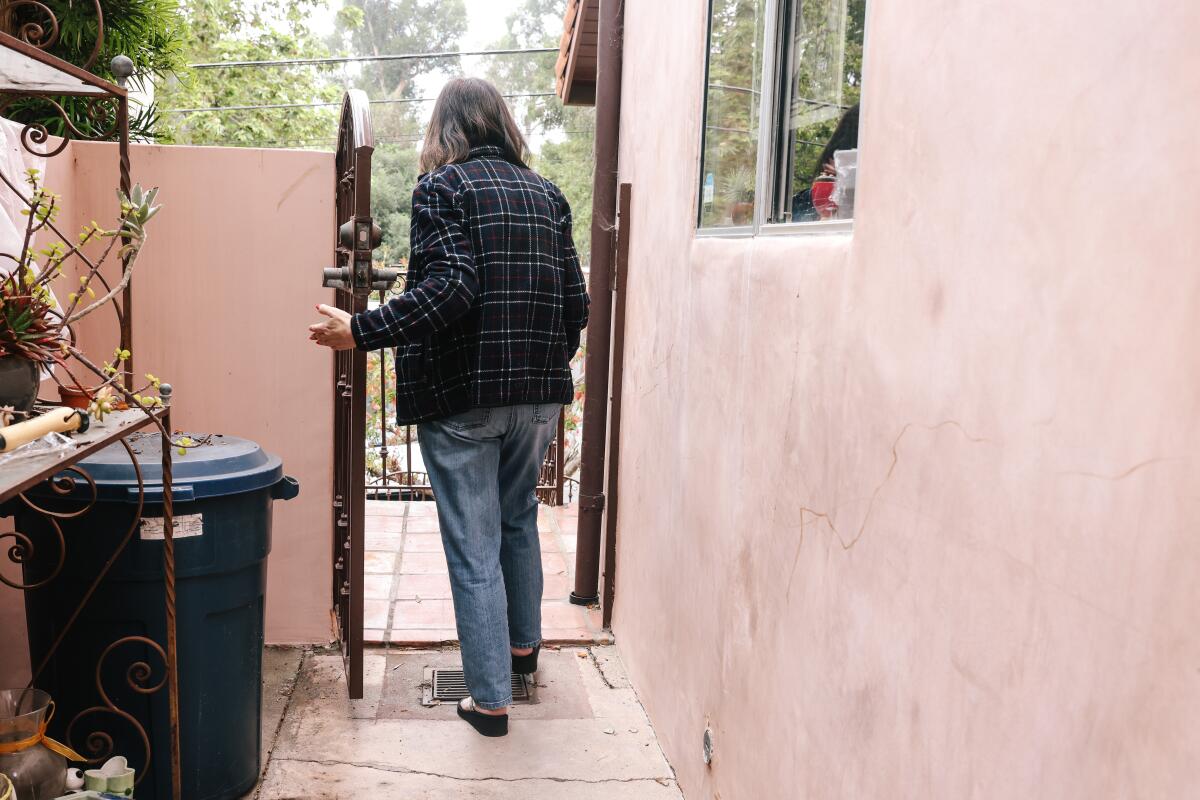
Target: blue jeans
<point x="483" y="465"/>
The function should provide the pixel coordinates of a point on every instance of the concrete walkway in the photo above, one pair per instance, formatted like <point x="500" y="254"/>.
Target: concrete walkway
<point x="586" y="737"/>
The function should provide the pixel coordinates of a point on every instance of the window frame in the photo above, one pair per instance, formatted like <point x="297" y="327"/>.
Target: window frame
<point x="771" y="138"/>
<point x="730" y="231"/>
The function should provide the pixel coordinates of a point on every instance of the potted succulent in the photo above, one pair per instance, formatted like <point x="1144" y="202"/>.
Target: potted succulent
<point x="738" y="192"/>
<point x="35" y="328"/>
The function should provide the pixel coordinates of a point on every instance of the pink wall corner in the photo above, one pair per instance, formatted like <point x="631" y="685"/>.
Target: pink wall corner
<point x="906" y="512"/>
<point x="223" y="292"/>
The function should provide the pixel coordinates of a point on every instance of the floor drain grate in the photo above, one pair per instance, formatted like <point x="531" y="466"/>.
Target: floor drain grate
<point x="450" y="686"/>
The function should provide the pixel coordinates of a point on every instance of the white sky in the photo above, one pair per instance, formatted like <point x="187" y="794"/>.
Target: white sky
<point x="486" y="22"/>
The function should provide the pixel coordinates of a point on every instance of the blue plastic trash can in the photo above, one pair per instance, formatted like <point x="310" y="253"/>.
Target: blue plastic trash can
<point x="223" y="493"/>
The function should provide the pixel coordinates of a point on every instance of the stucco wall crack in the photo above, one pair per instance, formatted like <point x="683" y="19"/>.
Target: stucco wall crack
<point x="1120" y="476"/>
<point x="825" y="516"/>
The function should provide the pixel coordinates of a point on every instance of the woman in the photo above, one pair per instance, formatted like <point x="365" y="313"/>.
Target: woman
<point x="485" y="332"/>
<point x="845" y="137"/>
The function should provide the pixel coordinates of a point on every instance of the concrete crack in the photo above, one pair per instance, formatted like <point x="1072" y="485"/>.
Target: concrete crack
<point x="287" y="707"/>
<point x="596" y="663"/>
<point x="425" y="773"/>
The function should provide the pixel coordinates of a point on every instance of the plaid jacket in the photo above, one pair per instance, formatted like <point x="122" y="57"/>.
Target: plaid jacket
<point x="495" y="298"/>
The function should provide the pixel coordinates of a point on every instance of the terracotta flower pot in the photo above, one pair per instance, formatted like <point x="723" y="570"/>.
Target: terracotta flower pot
<point x="742" y="213"/>
<point x="19" y="380"/>
<point x="75" y="398"/>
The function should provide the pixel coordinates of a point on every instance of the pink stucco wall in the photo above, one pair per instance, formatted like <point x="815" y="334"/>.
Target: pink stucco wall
<point x="223" y="293"/>
<point x="911" y="512"/>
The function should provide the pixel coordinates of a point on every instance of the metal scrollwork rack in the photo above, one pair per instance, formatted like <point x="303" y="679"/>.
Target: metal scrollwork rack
<point x="29" y="70"/>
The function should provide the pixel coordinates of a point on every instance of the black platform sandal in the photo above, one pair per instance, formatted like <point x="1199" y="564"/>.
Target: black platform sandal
<point x="486" y="724"/>
<point x="526" y="664"/>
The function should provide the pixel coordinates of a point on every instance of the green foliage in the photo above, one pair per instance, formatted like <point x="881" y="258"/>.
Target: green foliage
<point x="393" y="176"/>
<point x="150" y="32"/>
<point x="566" y="153"/>
<point x="388" y="27"/>
<point x="252" y="30"/>
<point x="32" y="324"/>
<point x="381" y="418"/>
<point x="569" y="163"/>
<point x="392" y="27"/>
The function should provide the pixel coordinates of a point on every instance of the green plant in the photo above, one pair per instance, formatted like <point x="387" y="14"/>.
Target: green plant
<point x="381" y="414"/>
<point x="737" y="185"/>
<point x="149" y="32"/>
<point x="250" y="30"/>
<point x="33" y="324"/>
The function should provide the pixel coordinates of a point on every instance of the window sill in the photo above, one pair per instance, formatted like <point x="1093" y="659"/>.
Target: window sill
<point x="840" y="226"/>
<point x="807" y="228"/>
<point x="739" y="232"/>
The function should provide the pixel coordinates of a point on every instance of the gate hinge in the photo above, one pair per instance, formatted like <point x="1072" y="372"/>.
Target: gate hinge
<point x="591" y="502"/>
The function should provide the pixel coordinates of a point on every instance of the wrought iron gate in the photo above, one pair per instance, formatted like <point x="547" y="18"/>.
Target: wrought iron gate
<point x="394" y="474"/>
<point x="354" y="277"/>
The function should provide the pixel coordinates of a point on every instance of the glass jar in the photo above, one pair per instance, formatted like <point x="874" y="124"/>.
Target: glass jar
<point x="37" y="772"/>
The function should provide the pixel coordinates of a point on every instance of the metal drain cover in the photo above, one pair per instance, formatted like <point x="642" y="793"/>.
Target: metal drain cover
<point x="450" y="686"/>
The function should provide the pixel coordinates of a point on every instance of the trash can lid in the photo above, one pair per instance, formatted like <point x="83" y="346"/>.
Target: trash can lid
<point x="214" y="466"/>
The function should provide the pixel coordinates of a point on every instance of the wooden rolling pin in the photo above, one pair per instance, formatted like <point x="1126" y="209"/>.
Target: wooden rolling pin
<point x="60" y="420"/>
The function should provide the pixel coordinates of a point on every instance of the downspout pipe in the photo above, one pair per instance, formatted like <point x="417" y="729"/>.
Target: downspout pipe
<point x="610" y="35"/>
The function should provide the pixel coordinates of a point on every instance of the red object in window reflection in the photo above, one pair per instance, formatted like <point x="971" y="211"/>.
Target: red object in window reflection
<point x="821" y="192"/>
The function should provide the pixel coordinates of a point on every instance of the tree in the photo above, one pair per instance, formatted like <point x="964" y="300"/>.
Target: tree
<point x="393" y="176"/>
<point x="149" y="32"/>
<point x="251" y="30"/>
<point x="391" y="27"/>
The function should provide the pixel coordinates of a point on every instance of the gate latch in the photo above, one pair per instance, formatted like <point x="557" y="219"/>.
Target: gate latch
<point x="358" y="238"/>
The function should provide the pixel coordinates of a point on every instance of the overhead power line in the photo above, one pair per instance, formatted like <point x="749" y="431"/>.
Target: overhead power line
<point x="297" y="62"/>
<point x="325" y="105"/>
<point x="402" y="138"/>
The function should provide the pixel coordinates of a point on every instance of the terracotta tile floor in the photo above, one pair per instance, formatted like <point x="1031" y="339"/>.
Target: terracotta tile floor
<point x="407" y="589"/>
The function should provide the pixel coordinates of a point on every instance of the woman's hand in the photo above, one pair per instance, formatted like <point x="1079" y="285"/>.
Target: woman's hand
<point x="335" y="333"/>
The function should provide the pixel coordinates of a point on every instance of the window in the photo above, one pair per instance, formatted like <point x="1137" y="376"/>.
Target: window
<point x="732" y="111"/>
<point x="794" y="157"/>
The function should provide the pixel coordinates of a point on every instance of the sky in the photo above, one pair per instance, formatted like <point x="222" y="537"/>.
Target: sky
<point x="486" y="22"/>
